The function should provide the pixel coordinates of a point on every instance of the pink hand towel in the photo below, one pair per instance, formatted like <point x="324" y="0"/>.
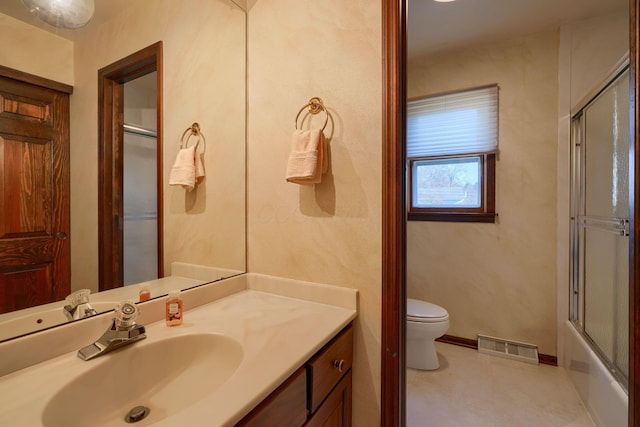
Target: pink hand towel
<point x="307" y="159"/>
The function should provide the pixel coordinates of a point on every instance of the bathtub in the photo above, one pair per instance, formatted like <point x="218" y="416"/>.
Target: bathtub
<point x="604" y="397"/>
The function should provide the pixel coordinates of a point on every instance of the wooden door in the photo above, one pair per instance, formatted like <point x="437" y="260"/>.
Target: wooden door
<point x="34" y="195"/>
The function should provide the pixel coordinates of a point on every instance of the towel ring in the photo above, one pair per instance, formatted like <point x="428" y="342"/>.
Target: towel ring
<point x="314" y="106"/>
<point x="195" y="130"/>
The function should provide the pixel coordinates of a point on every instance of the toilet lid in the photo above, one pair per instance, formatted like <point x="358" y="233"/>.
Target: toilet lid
<point x="418" y="310"/>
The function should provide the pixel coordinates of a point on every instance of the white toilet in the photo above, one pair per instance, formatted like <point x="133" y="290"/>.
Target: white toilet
<point x="425" y="323"/>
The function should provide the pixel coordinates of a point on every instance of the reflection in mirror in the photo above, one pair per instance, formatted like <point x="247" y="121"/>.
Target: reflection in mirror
<point x="118" y="106"/>
<point x="140" y="199"/>
<point x="204" y="81"/>
<point x="545" y="56"/>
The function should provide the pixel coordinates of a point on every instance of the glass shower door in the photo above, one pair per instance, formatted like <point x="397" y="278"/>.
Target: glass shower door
<point x="601" y="224"/>
<point x="140" y="204"/>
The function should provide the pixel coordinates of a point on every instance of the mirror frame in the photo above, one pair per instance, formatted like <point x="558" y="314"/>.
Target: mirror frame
<point x="393" y="397"/>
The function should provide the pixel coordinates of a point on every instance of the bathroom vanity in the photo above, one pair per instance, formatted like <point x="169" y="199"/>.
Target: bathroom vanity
<point x="253" y="350"/>
<point x="317" y="394"/>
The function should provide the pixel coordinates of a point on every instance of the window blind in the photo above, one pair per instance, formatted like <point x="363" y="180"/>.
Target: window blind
<point x="455" y="123"/>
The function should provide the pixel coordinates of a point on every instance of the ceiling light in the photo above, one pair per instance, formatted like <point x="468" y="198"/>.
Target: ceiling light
<point x="70" y="14"/>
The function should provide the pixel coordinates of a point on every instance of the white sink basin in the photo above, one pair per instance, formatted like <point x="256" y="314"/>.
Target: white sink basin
<point x="43" y="319"/>
<point x="166" y="376"/>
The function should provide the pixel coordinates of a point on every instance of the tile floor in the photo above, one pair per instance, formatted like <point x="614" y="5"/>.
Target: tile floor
<point x="478" y="390"/>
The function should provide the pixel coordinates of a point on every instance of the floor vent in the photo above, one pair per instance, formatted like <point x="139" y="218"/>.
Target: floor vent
<point x="508" y="349"/>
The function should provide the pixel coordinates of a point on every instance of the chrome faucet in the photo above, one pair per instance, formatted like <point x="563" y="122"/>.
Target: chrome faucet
<point x="78" y="306"/>
<point x="123" y="331"/>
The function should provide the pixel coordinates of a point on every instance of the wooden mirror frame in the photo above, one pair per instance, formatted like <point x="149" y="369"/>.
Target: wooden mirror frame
<point x="393" y="398"/>
<point x="111" y="80"/>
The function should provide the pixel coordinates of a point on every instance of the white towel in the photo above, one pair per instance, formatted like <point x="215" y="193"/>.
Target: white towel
<point x="187" y="170"/>
<point x="307" y="159"/>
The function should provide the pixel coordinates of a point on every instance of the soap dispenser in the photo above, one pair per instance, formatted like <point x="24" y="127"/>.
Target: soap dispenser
<point x="145" y="293"/>
<point x="173" y="313"/>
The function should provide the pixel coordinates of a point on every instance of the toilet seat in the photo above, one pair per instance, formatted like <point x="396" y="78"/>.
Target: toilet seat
<point x="425" y="312"/>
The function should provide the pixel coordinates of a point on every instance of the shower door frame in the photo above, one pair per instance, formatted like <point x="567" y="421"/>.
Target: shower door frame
<point x="634" y="210"/>
<point x="580" y="223"/>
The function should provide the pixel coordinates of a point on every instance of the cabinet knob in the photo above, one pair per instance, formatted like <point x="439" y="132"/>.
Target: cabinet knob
<point x="339" y="364"/>
<point x="61" y="235"/>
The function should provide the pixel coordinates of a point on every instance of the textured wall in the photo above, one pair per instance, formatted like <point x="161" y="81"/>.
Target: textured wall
<point x="498" y="279"/>
<point x="35" y="51"/>
<point x="330" y="233"/>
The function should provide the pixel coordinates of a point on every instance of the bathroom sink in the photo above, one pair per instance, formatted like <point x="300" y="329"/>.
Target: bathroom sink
<point x="164" y="376"/>
<point x="43" y="319"/>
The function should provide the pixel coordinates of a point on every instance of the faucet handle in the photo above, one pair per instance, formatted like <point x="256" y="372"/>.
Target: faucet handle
<point x="126" y="313"/>
<point x="78" y="297"/>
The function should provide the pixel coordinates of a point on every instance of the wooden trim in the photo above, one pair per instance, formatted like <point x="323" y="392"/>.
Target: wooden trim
<point x="160" y="156"/>
<point x="634" y="208"/>
<point x="462" y="342"/>
<point x="488" y="218"/>
<point x="111" y="80"/>
<point x="544" y="359"/>
<point x="393" y="394"/>
<point x="547" y="359"/>
<point x="35" y="80"/>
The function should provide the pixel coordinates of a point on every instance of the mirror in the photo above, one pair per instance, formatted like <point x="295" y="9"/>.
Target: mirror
<point x="203" y="61"/>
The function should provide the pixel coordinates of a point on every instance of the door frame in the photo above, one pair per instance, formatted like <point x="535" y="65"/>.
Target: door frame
<point x="111" y="80"/>
<point x="393" y="410"/>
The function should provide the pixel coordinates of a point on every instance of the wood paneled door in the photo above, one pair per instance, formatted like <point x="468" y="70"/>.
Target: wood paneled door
<point x="34" y="191"/>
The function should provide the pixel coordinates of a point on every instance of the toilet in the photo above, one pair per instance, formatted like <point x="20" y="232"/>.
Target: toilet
<point x="425" y="323"/>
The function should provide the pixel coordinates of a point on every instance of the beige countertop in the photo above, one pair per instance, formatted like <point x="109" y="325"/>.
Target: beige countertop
<point x="279" y="323"/>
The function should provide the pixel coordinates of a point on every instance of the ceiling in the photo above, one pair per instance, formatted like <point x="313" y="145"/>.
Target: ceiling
<point x="434" y="27"/>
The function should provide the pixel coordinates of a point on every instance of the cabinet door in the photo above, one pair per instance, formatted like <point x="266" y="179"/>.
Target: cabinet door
<point x="335" y="411"/>
<point x="285" y="407"/>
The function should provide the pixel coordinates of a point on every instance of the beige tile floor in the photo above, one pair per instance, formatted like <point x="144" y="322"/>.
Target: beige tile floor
<point x="478" y="390"/>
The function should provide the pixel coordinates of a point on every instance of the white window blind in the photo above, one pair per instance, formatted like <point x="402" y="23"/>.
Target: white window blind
<point x="454" y="123"/>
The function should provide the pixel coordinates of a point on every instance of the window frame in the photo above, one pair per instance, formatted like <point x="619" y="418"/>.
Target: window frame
<point x="486" y="213"/>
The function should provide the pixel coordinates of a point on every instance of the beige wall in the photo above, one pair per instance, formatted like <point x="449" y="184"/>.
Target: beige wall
<point x="35" y="51"/>
<point x="203" y="82"/>
<point x="498" y="279"/>
<point x="329" y="233"/>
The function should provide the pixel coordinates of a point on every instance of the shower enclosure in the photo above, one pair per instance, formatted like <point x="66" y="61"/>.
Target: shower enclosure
<point x="140" y="228"/>
<point x="140" y="181"/>
<point x="600" y="223"/>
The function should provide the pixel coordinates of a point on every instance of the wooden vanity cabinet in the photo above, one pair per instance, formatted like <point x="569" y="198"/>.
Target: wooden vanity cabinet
<point x="317" y="394"/>
<point x="286" y="406"/>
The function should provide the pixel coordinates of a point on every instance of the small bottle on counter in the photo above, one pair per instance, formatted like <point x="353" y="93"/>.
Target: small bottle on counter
<point x="173" y="314"/>
<point x="145" y="293"/>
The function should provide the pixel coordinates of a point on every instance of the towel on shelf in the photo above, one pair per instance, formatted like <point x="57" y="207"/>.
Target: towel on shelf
<point x="187" y="170"/>
<point x="308" y="157"/>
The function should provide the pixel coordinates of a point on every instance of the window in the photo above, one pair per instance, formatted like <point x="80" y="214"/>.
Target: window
<point x="452" y="140"/>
